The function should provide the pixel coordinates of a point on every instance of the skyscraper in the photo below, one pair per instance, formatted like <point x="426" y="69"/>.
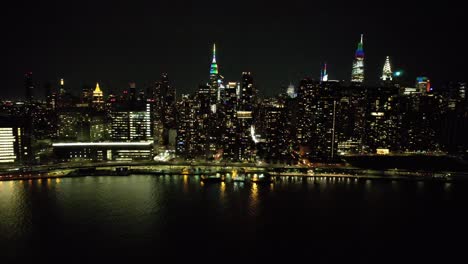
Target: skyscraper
<point x="324" y="74"/>
<point x="230" y="107"/>
<point x="244" y="116"/>
<point x="423" y="85"/>
<point x="15" y="140"/>
<point x="187" y="134"/>
<point x="130" y="124"/>
<point x="133" y="95"/>
<point x="215" y="81"/>
<point x="29" y="86"/>
<point x="357" y="75"/>
<point x="98" y="98"/>
<point x="62" y="86"/>
<point x="291" y="91"/>
<point x="387" y="70"/>
<point x="214" y="68"/>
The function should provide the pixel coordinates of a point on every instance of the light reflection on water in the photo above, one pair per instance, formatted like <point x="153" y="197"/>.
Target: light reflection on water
<point x="253" y="202"/>
<point x="143" y="210"/>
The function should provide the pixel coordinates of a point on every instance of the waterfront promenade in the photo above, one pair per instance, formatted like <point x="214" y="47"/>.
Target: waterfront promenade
<point x="246" y="170"/>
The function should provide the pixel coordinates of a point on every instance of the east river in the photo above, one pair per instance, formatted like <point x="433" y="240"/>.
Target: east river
<point x="177" y="218"/>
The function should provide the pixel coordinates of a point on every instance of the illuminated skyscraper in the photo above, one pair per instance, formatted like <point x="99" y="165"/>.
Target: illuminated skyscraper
<point x="130" y="124"/>
<point x="7" y="144"/>
<point x="324" y="74"/>
<point x="387" y="70"/>
<point x="62" y="86"/>
<point x="29" y="86"/>
<point x="357" y="75"/>
<point x="216" y="82"/>
<point x="98" y="98"/>
<point x="291" y="91"/>
<point x="15" y="141"/>
<point x="423" y="85"/>
<point x="244" y="117"/>
<point x="187" y="138"/>
<point x="230" y="107"/>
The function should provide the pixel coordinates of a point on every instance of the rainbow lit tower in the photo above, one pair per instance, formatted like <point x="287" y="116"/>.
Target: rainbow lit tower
<point x="357" y="75"/>
<point x="324" y="74"/>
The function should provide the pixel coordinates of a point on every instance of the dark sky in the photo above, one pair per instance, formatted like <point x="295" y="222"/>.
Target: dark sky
<point x="115" y="42"/>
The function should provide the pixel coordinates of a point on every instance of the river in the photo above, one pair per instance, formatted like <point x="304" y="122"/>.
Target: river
<point x="177" y="218"/>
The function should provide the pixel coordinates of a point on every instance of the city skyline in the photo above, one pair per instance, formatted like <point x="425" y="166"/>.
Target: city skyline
<point x="296" y="130"/>
<point x="37" y="88"/>
<point x="277" y="49"/>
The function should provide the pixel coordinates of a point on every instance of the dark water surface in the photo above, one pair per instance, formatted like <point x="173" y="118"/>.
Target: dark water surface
<point x="176" y="218"/>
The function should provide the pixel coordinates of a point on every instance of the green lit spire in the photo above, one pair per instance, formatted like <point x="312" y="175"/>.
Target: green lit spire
<point x="214" y="65"/>
<point x="214" y="53"/>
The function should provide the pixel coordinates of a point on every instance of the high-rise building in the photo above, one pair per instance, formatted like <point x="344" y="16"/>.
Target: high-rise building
<point x="216" y="82"/>
<point x="133" y="93"/>
<point x="73" y="124"/>
<point x="306" y="97"/>
<point x="291" y="91"/>
<point x="357" y="75"/>
<point x="130" y="124"/>
<point x="423" y="85"/>
<point x="98" y="98"/>
<point x="387" y="71"/>
<point x="29" y="86"/>
<point x="169" y="103"/>
<point x="454" y="91"/>
<point x="50" y="95"/>
<point x="247" y="92"/>
<point x="324" y="74"/>
<point x="15" y="141"/>
<point x="214" y="69"/>
<point x="187" y="136"/>
<point x="273" y="124"/>
<point x="230" y="128"/>
<point x="98" y="128"/>
<point x="7" y="145"/>
<point x="62" y="87"/>
<point x="245" y="116"/>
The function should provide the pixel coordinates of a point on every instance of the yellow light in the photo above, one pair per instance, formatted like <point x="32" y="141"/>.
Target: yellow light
<point x="61" y="82"/>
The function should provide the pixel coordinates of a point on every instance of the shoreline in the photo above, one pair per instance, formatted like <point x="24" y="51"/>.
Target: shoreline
<point x="108" y="170"/>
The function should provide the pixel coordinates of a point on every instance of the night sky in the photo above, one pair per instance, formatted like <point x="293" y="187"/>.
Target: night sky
<point x="115" y="42"/>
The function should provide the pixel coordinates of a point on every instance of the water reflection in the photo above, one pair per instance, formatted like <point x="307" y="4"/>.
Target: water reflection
<point x="139" y="210"/>
<point x="185" y="183"/>
<point x="253" y="201"/>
